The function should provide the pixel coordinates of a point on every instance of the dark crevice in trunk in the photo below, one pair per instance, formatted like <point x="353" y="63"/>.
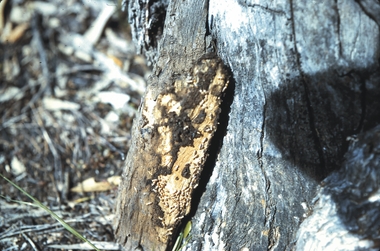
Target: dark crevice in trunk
<point x="213" y="152"/>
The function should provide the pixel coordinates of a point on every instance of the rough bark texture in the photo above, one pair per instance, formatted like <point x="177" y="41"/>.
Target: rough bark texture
<point x="177" y="119"/>
<point x="306" y="76"/>
<point x="347" y="206"/>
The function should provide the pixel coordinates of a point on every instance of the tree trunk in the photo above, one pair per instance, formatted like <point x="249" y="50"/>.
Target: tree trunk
<point x="305" y="76"/>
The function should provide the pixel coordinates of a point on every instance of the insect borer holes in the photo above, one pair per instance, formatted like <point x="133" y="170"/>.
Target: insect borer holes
<point x="186" y="171"/>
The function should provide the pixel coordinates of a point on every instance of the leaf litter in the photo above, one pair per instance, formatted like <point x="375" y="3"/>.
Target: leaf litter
<point x="70" y="85"/>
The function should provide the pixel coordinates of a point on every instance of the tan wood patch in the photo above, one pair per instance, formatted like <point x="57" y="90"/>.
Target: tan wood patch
<point x="181" y="122"/>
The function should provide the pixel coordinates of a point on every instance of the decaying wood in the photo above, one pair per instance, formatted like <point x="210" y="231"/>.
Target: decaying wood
<point x="177" y="128"/>
<point x="306" y="78"/>
<point x="178" y="117"/>
<point x="175" y="132"/>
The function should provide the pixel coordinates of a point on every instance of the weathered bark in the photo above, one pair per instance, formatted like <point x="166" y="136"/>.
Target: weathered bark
<point x="346" y="215"/>
<point x="306" y="76"/>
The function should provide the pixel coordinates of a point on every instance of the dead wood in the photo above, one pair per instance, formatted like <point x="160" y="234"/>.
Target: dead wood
<point x="305" y="78"/>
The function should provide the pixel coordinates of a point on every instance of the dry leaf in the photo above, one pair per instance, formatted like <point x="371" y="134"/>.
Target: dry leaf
<point x="2" y="16"/>
<point x="16" y="33"/>
<point x="90" y="185"/>
<point x="53" y="104"/>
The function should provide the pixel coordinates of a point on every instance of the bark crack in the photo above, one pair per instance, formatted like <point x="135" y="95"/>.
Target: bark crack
<point x="274" y="235"/>
<point x="266" y="8"/>
<point x="310" y="110"/>
<point x="338" y="27"/>
<point x="371" y="9"/>
<point x="213" y="150"/>
<point x="269" y="209"/>
<point x="363" y="94"/>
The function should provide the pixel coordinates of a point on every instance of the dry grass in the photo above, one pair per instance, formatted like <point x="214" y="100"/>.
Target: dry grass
<point x="70" y="84"/>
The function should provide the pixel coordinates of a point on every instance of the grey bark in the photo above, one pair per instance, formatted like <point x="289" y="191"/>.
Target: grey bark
<point x="346" y="213"/>
<point x="306" y="76"/>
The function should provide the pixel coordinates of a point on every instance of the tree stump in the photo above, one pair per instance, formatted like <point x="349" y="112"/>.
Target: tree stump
<point x="302" y="76"/>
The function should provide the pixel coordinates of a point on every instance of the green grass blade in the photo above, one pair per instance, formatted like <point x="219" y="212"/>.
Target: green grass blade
<point x="63" y="223"/>
<point x="183" y="237"/>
